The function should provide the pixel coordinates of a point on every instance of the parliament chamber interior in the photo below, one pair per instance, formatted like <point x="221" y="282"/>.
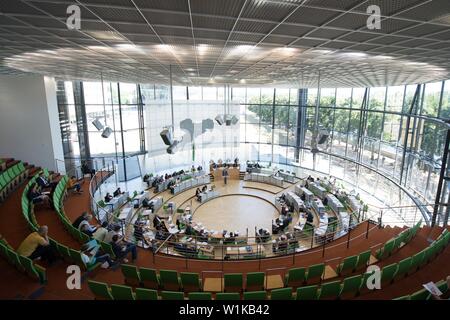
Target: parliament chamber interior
<point x="224" y="150"/>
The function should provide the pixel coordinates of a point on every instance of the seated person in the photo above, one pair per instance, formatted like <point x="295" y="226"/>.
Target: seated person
<point x="86" y="227"/>
<point x="205" y="188"/>
<point x="101" y="232"/>
<point x="37" y="245"/>
<point x="171" y="186"/>
<point x="93" y="255"/>
<point x="108" y="197"/>
<point x="34" y="196"/>
<point x="189" y="230"/>
<point x="121" y="249"/>
<point x="74" y="184"/>
<point x="282" y="243"/>
<point x="283" y="210"/>
<point x="198" y="194"/>
<point x="146" y="203"/>
<point x="199" y="168"/>
<point x="288" y="219"/>
<point x="85" y="169"/>
<point x="139" y="230"/>
<point x="161" y="235"/>
<point x="118" y="192"/>
<point x="310" y="217"/>
<point x="44" y="183"/>
<point x="115" y="231"/>
<point x="193" y="168"/>
<point x="78" y="220"/>
<point x="445" y="295"/>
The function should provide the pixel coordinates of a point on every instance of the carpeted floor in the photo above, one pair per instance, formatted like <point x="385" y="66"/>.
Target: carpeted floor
<point x="14" y="229"/>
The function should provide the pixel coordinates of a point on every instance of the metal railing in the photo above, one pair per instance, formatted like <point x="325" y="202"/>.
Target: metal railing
<point x="213" y="247"/>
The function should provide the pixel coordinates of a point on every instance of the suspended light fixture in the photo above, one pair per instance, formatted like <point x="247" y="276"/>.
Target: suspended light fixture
<point x="97" y="124"/>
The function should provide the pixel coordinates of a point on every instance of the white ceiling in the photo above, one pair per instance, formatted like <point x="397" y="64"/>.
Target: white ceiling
<point x="251" y="42"/>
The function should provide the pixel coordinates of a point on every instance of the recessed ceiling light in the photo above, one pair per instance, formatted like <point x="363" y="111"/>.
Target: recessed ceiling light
<point x="355" y="54"/>
<point x="190" y="69"/>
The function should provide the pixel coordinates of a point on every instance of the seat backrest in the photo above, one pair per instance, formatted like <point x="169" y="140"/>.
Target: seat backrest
<point x="14" y="258"/>
<point x="420" y="295"/>
<point x="255" y="279"/>
<point x="315" y="271"/>
<point x="100" y="290"/>
<point x="189" y="279"/>
<point x="107" y="247"/>
<point x="228" y="296"/>
<point x="199" y="296"/>
<point x="255" y="295"/>
<point x="388" y="272"/>
<point x="403" y="266"/>
<point x="330" y="290"/>
<point x="27" y="263"/>
<point x="349" y="264"/>
<point x="149" y="277"/>
<point x="120" y="292"/>
<point x="169" y="278"/>
<point x="233" y="282"/>
<point x="363" y="259"/>
<point x="352" y="284"/>
<point x="146" y="294"/>
<point x="295" y="276"/>
<point x="172" y="295"/>
<point x="130" y="271"/>
<point x="281" y="294"/>
<point x="307" y="293"/>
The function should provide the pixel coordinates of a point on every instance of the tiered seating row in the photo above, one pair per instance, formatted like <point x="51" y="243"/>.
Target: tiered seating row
<point x="169" y="280"/>
<point x="81" y="237"/>
<point x="424" y="294"/>
<point x="11" y="178"/>
<point x="21" y="263"/>
<point x="68" y="254"/>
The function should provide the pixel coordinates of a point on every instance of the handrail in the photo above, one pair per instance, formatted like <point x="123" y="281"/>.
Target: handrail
<point x="288" y="247"/>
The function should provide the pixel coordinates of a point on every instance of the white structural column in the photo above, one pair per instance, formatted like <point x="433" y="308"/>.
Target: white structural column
<point x="29" y="120"/>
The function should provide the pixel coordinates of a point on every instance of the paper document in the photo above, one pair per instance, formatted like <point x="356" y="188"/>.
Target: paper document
<point x="431" y="287"/>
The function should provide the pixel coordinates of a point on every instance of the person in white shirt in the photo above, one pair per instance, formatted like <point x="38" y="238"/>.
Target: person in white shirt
<point x="86" y="227"/>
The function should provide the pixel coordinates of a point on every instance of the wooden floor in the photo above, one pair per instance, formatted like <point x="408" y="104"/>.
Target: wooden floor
<point x="236" y="213"/>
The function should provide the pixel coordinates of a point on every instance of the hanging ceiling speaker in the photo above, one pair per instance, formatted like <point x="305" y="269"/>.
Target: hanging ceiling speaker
<point x="107" y="132"/>
<point x="166" y="135"/>
<point x="97" y="124"/>
<point x="228" y="119"/>
<point x="234" y="120"/>
<point x="219" y="120"/>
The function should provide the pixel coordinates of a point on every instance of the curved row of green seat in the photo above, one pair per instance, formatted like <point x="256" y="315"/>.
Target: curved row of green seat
<point x="11" y="178"/>
<point x="81" y="237"/>
<point x="102" y="291"/>
<point x="168" y="280"/>
<point x="352" y="263"/>
<point x="295" y="277"/>
<point x="21" y="263"/>
<point x="68" y="254"/>
<point x="232" y="282"/>
<point x="395" y="243"/>
<point x="424" y="294"/>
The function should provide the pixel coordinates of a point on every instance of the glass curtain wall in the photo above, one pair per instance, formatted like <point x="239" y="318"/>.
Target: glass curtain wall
<point x="200" y="136"/>
<point x="112" y="129"/>
<point x="399" y="131"/>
